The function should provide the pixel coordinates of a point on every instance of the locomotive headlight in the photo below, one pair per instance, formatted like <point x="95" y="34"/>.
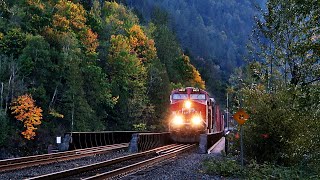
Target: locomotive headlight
<point x="187" y="104"/>
<point x="177" y="120"/>
<point x="196" y="120"/>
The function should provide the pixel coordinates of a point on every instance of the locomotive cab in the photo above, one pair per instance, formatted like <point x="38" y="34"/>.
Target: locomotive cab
<point x="189" y="114"/>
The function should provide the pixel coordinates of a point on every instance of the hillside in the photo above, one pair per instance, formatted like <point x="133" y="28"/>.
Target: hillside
<point x="214" y="33"/>
<point x="214" y="30"/>
<point x="79" y="66"/>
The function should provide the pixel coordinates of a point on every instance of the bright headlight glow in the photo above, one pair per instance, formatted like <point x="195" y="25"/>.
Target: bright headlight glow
<point x="177" y="120"/>
<point x="187" y="104"/>
<point x="196" y="120"/>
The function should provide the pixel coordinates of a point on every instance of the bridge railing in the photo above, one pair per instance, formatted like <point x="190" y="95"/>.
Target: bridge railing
<point x="80" y="140"/>
<point x="145" y="141"/>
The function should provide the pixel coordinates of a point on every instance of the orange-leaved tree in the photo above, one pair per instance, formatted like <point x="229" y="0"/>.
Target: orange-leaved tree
<point x="26" y="111"/>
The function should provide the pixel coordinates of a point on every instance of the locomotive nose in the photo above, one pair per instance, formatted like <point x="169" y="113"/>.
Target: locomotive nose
<point x="196" y="120"/>
<point x="187" y="104"/>
<point x="177" y="120"/>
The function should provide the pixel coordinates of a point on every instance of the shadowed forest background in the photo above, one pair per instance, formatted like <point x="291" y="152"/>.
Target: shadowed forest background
<point x="110" y="65"/>
<point x="96" y="65"/>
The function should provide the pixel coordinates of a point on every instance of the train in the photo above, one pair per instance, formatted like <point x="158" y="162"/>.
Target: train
<point x="193" y="112"/>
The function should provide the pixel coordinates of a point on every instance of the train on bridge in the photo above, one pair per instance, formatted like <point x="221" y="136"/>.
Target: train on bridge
<point x="193" y="112"/>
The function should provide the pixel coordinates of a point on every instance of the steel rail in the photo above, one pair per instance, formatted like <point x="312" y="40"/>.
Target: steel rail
<point x="82" y="169"/>
<point x="24" y="162"/>
<point x="21" y="159"/>
<point x="148" y="162"/>
<point x="173" y="149"/>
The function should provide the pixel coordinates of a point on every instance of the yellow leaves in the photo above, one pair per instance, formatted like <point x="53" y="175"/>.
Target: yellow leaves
<point x="198" y="82"/>
<point x="28" y="134"/>
<point x="36" y="3"/>
<point x="230" y="90"/>
<point x="114" y="5"/>
<point x="137" y="33"/>
<point x="54" y="113"/>
<point x="61" y="22"/>
<point x="115" y="99"/>
<point x="191" y="74"/>
<point x="25" y="110"/>
<point x="140" y="44"/>
<point x="261" y="87"/>
<point x="90" y="41"/>
<point x="70" y="19"/>
<point x="69" y="12"/>
<point x="119" y="22"/>
<point x="119" y="43"/>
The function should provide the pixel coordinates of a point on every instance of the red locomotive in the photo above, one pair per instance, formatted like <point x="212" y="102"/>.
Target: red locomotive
<point x="193" y="112"/>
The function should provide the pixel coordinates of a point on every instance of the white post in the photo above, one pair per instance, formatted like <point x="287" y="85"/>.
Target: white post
<point x="58" y="140"/>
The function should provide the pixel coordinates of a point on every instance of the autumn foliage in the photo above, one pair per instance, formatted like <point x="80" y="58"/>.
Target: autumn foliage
<point x="141" y="44"/>
<point x="91" y="63"/>
<point x="26" y="111"/>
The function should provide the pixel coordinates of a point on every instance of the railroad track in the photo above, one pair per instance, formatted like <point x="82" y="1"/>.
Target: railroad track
<point x="120" y="166"/>
<point x="29" y="161"/>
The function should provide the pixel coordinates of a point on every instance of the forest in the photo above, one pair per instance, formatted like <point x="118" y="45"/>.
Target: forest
<point x="280" y="88"/>
<point x="110" y="65"/>
<point x="265" y="56"/>
<point x="214" y="33"/>
<point x="69" y="66"/>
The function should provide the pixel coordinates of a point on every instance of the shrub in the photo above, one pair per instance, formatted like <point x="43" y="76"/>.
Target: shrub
<point x="140" y="127"/>
<point x="225" y="167"/>
<point x="231" y="168"/>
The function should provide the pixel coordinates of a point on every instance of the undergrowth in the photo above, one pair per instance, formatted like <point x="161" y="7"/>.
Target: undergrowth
<point x="228" y="167"/>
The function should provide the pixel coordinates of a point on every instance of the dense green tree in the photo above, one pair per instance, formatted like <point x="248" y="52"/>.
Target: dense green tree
<point x="98" y="91"/>
<point x="288" y="40"/>
<point x="282" y="127"/>
<point x="280" y="86"/>
<point x="207" y="28"/>
<point x="128" y="81"/>
<point x="13" y="42"/>
<point x="158" y="90"/>
<point x="188" y="73"/>
<point x="119" y="21"/>
<point x="36" y="67"/>
<point x="167" y="54"/>
<point x="89" y="65"/>
<point x="178" y="65"/>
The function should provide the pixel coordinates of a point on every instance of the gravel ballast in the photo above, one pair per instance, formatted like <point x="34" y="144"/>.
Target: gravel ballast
<point x="185" y="166"/>
<point x="50" y="168"/>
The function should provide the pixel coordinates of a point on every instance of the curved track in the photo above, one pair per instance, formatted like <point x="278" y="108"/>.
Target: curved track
<point x="122" y="165"/>
<point x="29" y="161"/>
